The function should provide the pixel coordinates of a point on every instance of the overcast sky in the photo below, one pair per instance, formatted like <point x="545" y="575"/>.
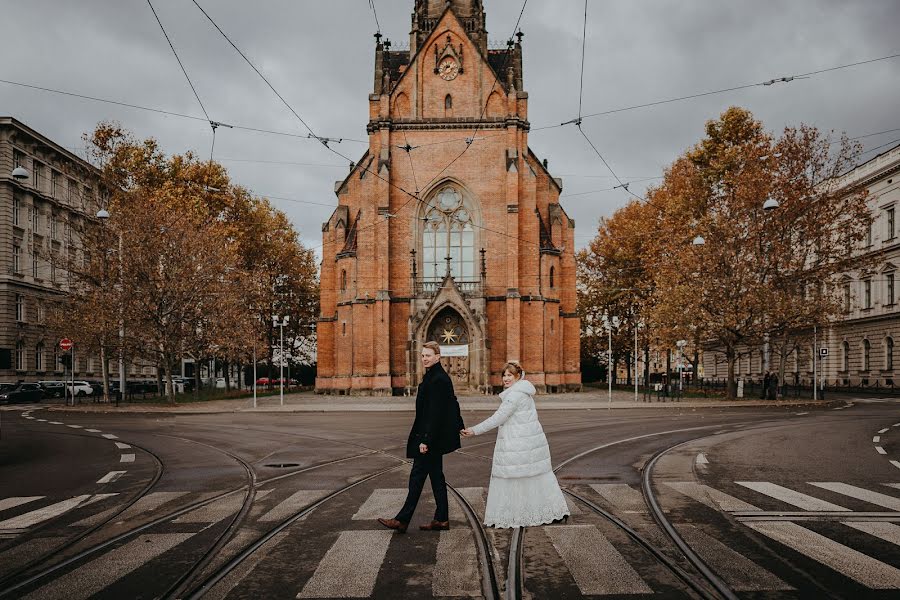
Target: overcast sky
<point x="319" y="55"/>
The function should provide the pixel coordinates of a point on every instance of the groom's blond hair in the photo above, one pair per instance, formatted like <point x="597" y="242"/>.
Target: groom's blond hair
<point x="433" y="346"/>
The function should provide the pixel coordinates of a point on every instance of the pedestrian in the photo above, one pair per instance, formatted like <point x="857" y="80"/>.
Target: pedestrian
<point x="773" y="386"/>
<point x="765" y="386"/>
<point x="435" y="432"/>
<point x="523" y="491"/>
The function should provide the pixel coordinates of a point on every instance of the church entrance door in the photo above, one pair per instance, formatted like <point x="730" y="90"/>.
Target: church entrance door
<point x="449" y="330"/>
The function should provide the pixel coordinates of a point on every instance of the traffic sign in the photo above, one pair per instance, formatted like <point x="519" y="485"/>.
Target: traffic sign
<point x="823" y="351"/>
<point x="66" y="344"/>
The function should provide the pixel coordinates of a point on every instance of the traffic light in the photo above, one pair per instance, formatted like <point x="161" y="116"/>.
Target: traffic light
<point x="65" y="360"/>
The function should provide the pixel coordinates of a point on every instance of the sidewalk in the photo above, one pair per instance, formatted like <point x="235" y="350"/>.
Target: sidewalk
<point x="311" y="402"/>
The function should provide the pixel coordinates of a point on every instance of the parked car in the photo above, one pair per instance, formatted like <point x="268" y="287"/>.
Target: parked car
<point x="81" y="388"/>
<point x="53" y="389"/>
<point x="25" y="392"/>
<point x="264" y="381"/>
<point x="96" y="388"/>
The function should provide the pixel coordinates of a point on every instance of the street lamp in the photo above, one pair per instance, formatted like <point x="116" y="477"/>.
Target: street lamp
<point x="20" y="173"/>
<point x="770" y="204"/>
<point x="103" y="215"/>
<point x="609" y="323"/>
<point x="280" y="322"/>
<point x="698" y="241"/>
<point x="681" y="344"/>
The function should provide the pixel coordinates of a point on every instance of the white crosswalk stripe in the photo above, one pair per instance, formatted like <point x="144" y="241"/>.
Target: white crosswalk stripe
<point x="30" y="519"/>
<point x="789" y="496"/>
<point x="109" y="568"/>
<point x="145" y="505"/>
<point x="218" y="510"/>
<point x="456" y="567"/>
<point x="292" y="504"/>
<point x="350" y="567"/>
<point x="739" y="572"/>
<point x="111" y="476"/>
<point x="596" y="566"/>
<point x="15" y="501"/>
<point x="383" y="502"/>
<point x="621" y="496"/>
<point x="711" y="497"/>
<point x="889" y="532"/>
<point x="860" y="494"/>
<point x="860" y="567"/>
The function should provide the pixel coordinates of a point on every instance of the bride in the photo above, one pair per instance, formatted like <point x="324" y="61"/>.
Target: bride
<point x="523" y="491"/>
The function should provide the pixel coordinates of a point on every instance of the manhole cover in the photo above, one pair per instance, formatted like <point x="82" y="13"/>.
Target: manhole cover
<point x="283" y="465"/>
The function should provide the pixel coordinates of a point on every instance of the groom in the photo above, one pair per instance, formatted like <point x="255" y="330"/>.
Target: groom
<point x="435" y="432"/>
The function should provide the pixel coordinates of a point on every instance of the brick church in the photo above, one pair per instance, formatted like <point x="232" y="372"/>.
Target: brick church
<point x="449" y="227"/>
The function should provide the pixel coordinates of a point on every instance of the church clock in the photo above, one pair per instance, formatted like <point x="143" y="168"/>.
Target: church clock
<point x="448" y="68"/>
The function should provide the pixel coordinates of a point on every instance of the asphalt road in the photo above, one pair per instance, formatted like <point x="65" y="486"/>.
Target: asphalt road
<point x="750" y="503"/>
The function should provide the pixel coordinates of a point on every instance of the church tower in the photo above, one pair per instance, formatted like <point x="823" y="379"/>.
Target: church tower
<point x="449" y="227"/>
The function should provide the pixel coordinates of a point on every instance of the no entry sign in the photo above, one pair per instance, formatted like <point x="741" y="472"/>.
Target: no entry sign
<point x="66" y="344"/>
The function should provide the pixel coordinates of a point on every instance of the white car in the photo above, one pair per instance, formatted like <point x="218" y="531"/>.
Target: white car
<point x="81" y="388"/>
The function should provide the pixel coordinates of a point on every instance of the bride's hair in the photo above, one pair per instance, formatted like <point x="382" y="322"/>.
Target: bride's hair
<point x="514" y="368"/>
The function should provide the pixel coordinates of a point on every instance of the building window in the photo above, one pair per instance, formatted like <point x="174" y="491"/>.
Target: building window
<point x="34" y="265"/>
<point x="16" y="205"/>
<point x="869" y="228"/>
<point x="889" y="354"/>
<point x="37" y="172"/>
<point x="54" y="184"/>
<point x="552" y="277"/>
<point x="17" y="253"/>
<point x="18" y="158"/>
<point x="20" y="308"/>
<point x="344" y="328"/>
<point x="889" y="277"/>
<point x="448" y="232"/>
<point x="35" y="218"/>
<point x="39" y="357"/>
<point x="53" y="228"/>
<point x="90" y="364"/>
<point x="890" y="223"/>
<point x="846" y="297"/>
<point x="343" y="280"/>
<point x="845" y="355"/>
<point x="71" y="189"/>
<point x="41" y="311"/>
<point x="551" y="325"/>
<point x="867" y="293"/>
<point x="20" y="356"/>
<point x="448" y="102"/>
<point x="867" y="350"/>
<point x="52" y="270"/>
<point x="56" y="363"/>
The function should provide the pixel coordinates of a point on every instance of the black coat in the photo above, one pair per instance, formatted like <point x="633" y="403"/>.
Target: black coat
<point x="438" y="421"/>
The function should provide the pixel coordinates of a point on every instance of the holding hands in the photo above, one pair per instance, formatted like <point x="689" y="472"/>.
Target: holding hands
<point x="466" y="432"/>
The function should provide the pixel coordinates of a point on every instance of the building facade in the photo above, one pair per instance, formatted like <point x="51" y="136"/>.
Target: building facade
<point x="860" y="344"/>
<point x="449" y="227"/>
<point x="40" y="215"/>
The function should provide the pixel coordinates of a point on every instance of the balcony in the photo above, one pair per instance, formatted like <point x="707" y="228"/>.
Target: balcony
<point x="430" y="288"/>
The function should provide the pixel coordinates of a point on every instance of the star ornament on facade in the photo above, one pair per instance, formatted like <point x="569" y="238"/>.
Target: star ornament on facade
<point x="449" y="336"/>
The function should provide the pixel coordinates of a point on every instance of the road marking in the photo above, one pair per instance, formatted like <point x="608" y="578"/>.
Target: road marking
<point x="54" y="422"/>
<point x="221" y="590"/>
<point x="15" y="501"/>
<point x="110" y="436"/>
<point x="292" y="504"/>
<point x="350" y="567"/>
<point x="860" y="494"/>
<point x="383" y="502"/>
<point x="621" y="496"/>
<point x="896" y="425"/>
<point x="74" y="426"/>
<point x="876" y="439"/>
<point x="789" y="496"/>
<point x="145" y="505"/>
<point x="738" y="571"/>
<point x="711" y="497"/>
<point x="880" y="450"/>
<point x="885" y="430"/>
<point x="122" y="446"/>
<point x="42" y="420"/>
<point x="456" y="567"/>
<point x="111" y="476"/>
<point x="800" y="414"/>
<point x="127" y="458"/>
<point x="701" y="461"/>
<point x="475" y="497"/>
<point x="97" y="498"/>
<point x="895" y="463"/>
<point x="889" y="532"/>
<point x="595" y="565"/>
<point x="32" y="418"/>
<point x="43" y="514"/>
<point x="93" y="430"/>
<point x="105" y="570"/>
<point x="218" y="510"/>
<point x="847" y="561"/>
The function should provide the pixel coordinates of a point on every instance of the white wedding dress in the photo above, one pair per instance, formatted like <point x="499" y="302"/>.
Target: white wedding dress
<point x="523" y="491"/>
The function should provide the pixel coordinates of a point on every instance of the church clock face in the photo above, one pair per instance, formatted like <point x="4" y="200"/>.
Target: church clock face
<point x="448" y="68"/>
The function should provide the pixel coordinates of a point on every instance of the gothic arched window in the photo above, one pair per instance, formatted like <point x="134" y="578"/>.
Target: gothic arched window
<point x="448" y="231"/>
<point x="552" y="274"/>
<point x="448" y="102"/>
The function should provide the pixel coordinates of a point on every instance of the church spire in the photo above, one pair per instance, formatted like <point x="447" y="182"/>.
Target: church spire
<point x="469" y="12"/>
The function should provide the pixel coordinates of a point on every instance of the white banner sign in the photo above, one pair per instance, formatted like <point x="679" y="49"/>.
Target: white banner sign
<point x="455" y="350"/>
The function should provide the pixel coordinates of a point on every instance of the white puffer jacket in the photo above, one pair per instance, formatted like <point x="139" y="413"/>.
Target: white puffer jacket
<point x="522" y="449"/>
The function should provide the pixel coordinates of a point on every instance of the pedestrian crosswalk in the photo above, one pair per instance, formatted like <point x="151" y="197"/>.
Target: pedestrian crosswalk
<point x="595" y="561"/>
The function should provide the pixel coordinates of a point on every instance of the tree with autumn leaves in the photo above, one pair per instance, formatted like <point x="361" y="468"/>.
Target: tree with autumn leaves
<point x="189" y="264"/>
<point x="708" y="264"/>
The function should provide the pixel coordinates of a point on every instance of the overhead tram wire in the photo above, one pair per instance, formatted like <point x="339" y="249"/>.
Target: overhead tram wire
<point x="375" y="14"/>
<point x="324" y="141"/>
<point x="213" y="124"/>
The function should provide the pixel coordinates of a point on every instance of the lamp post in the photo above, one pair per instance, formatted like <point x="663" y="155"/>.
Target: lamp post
<point x="103" y="215"/>
<point x="609" y="323"/>
<point x="681" y="344"/>
<point x="280" y="322"/>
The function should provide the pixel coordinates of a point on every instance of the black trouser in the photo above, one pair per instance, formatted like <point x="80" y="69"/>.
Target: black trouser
<point x="430" y="466"/>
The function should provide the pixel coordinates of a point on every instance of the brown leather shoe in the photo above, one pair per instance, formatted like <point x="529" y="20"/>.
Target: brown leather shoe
<point x="436" y="526"/>
<point x="398" y="526"/>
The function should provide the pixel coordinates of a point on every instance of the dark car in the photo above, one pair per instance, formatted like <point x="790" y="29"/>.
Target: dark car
<point x="97" y="387"/>
<point x="53" y="389"/>
<point x="25" y="392"/>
